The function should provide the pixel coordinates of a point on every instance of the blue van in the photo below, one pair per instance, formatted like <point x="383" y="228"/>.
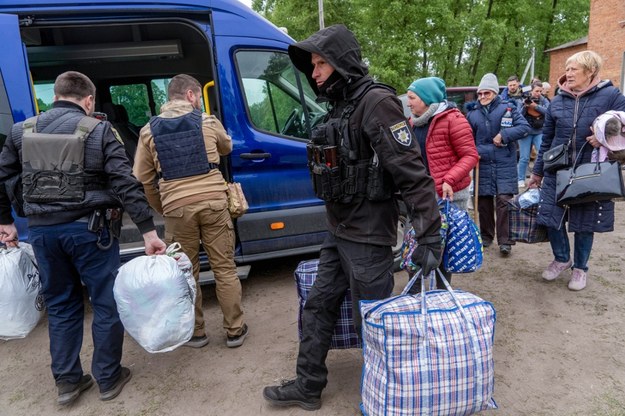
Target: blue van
<point x="131" y="48"/>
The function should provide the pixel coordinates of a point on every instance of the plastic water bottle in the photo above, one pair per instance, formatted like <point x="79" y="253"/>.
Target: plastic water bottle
<point x="506" y="120"/>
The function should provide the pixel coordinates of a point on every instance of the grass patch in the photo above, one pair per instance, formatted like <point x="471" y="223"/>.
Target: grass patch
<point x="608" y="404"/>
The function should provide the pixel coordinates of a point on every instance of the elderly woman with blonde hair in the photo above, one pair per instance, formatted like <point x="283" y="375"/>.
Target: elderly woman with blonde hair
<point x="582" y="97"/>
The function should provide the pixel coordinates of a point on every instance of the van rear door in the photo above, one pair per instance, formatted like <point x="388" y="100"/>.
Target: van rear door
<point x="16" y="97"/>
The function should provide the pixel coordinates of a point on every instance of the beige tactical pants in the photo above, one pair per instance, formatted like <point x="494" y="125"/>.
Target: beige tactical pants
<point x="209" y="223"/>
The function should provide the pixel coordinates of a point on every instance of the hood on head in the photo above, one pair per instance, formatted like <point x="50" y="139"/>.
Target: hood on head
<point x="338" y="46"/>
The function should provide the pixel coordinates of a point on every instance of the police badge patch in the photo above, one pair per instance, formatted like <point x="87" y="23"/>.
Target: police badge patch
<point x="401" y="133"/>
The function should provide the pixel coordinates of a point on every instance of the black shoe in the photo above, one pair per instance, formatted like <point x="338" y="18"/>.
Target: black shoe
<point x="505" y="249"/>
<point x="288" y="394"/>
<point x="69" y="392"/>
<point x="197" y="342"/>
<point x="237" y="340"/>
<point x="117" y="388"/>
<point x="487" y="243"/>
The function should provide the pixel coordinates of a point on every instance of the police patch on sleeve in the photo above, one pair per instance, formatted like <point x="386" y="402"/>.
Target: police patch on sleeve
<point x="117" y="136"/>
<point x="401" y="133"/>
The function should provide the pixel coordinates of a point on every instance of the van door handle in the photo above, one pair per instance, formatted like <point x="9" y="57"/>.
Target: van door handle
<point x="251" y="156"/>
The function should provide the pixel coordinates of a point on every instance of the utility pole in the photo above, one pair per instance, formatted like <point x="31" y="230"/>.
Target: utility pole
<point x="321" y="24"/>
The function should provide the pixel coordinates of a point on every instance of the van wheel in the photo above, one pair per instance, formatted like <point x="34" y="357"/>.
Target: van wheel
<point x="402" y="226"/>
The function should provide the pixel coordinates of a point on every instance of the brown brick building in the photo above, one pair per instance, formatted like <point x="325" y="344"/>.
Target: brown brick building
<point x="606" y="36"/>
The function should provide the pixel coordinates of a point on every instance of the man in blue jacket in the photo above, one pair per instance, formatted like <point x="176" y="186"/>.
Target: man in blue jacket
<point x="70" y="250"/>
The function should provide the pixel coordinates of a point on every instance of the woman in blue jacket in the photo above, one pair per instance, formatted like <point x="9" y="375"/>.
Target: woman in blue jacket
<point x="496" y="125"/>
<point x="583" y="97"/>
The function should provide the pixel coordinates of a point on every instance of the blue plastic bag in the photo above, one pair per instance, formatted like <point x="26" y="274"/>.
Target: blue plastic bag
<point x="461" y="239"/>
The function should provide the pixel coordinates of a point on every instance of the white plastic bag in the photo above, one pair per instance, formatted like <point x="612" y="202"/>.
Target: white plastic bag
<point x="20" y="302"/>
<point x="155" y="297"/>
<point x="529" y="198"/>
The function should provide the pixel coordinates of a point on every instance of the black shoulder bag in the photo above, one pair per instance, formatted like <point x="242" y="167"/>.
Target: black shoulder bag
<point x="587" y="182"/>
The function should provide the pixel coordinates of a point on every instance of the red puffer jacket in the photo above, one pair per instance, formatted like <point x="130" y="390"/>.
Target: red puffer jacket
<point x="451" y="150"/>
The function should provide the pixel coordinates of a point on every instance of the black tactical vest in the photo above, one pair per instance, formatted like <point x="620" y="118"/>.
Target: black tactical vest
<point x="180" y="146"/>
<point x="340" y="164"/>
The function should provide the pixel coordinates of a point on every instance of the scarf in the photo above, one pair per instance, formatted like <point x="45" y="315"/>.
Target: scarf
<point x="433" y="109"/>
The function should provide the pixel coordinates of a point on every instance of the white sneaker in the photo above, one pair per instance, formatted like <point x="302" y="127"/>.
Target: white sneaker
<point x="578" y="280"/>
<point x="521" y="184"/>
<point x="555" y="268"/>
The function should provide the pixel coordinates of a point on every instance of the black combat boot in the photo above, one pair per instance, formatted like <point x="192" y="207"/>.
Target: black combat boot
<point x="289" y="394"/>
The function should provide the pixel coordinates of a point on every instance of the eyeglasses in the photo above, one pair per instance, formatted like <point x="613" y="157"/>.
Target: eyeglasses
<point x="484" y="94"/>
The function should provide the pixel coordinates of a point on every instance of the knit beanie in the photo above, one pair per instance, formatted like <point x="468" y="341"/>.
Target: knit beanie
<point x="430" y="90"/>
<point x="489" y="82"/>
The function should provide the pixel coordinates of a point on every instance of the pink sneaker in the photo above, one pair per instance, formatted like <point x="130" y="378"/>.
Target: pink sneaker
<point x="578" y="280"/>
<point x="555" y="268"/>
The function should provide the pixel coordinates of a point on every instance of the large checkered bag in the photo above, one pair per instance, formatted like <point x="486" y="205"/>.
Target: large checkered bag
<point x="428" y="354"/>
<point x="523" y="221"/>
<point x="345" y="335"/>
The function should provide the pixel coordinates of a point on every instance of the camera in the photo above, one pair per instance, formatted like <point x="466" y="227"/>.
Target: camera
<point x="529" y="100"/>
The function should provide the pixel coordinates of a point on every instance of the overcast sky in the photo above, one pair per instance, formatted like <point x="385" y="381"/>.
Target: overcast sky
<point x="248" y="2"/>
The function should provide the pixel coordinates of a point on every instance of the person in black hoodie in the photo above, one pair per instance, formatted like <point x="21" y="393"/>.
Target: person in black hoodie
<point x="372" y="153"/>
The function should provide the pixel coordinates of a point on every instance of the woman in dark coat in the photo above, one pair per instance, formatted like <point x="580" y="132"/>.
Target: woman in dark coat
<point x="495" y="140"/>
<point x="583" y="96"/>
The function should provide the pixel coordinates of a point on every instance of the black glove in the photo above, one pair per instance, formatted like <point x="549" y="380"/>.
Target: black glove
<point x="427" y="257"/>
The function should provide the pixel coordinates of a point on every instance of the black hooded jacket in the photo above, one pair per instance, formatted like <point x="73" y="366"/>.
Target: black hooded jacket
<point x="378" y="123"/>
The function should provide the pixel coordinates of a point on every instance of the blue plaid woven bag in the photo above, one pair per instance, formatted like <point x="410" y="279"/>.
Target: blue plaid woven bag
<point x="428" y="354"/>
<point x="345" y="335"/>
<point x="523" y="220"/>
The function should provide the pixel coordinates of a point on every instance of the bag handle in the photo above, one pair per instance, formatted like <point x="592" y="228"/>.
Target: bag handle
<point x="470" y="325"/>
<point x="577" y="158"/>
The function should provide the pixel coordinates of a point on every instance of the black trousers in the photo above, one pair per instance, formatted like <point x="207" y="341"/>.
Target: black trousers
<point x="364" y="268"/>
<point x="488" y="223"/>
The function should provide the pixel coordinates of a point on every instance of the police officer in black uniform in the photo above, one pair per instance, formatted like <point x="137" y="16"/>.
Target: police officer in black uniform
<point x="362" y="153"/>
<point x="75" y="176"/>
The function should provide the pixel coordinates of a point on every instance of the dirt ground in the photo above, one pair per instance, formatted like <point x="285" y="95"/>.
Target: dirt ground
<point x="556" y="352"/>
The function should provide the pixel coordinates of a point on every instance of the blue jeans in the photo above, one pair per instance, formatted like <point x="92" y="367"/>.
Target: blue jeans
<point x="559" y="240"/>
<point x="66" y="255"/>
<point x="525" y="149"/>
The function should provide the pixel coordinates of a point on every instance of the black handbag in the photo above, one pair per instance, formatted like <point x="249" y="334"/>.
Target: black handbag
<point x="556" y="158"/>
<point x="587" y="182"/>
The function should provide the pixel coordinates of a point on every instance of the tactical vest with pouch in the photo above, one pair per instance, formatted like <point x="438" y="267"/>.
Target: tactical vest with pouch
<point x="341" y="167"/>
<point x="180" y="146"/>
<point x="53" y="164"/>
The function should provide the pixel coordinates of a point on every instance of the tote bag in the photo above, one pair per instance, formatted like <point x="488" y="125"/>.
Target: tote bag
<point x="428" y="354"/>
<point x="462" y="243"/>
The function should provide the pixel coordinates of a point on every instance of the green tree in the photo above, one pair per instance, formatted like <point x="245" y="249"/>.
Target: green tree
<point x="458" y="40"/>
<point x="43" y="106"/>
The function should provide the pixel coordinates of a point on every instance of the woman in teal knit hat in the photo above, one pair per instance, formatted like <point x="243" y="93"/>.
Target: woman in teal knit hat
<point x="446" y="141"/>
<point x="445" y="138"/>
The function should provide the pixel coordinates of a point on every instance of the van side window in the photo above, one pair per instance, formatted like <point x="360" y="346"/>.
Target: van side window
<point x="159" y="92"/>
<point x="6" y="118"/>
<point x="272" y="95"/>
<point x="134" y="98"/>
